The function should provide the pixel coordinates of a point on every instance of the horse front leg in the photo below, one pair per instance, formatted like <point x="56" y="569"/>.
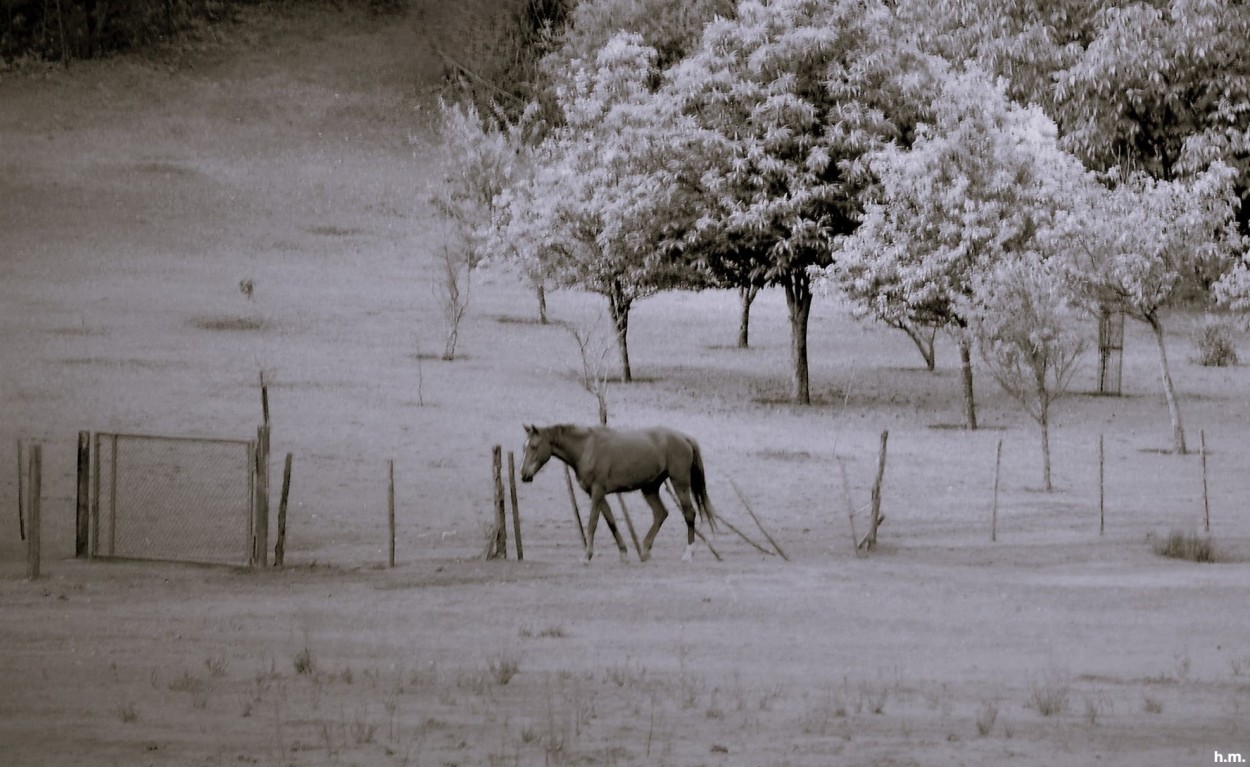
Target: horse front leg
<point x="658" y="515"/>
<point x="616" y="531"/>
<point x="596" y="498"/>
<point x="599" y="505"/>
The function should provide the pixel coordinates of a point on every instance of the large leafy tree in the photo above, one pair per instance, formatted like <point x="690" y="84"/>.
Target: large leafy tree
<point x="598" y="212"/>
<point x="980" y="184"/>
<point x="1143" y="237"/>
<point x="787" y="97"/>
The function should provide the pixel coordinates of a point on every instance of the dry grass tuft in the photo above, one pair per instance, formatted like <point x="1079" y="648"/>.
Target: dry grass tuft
<point x="1191" y="547"/>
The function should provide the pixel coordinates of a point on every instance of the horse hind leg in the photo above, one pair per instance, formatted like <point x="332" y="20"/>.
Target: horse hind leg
<point x="682" y="491"/>
<point x="658" y="515"/>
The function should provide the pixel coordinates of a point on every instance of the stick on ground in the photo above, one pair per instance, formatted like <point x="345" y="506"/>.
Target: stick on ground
<point x="710" y="548"/>
<point x="720" y="519"/>
<point x="772" y="541"/>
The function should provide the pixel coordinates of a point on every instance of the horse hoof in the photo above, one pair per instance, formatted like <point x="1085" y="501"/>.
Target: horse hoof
<point x="624" y="557"/>
<point x="644" y="556"/>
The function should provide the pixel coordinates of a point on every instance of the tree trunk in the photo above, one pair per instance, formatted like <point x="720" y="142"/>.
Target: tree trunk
<point x="602" y="396"/>
<point x="541" y="290"/>
<point x="924" y="344"/>
<point x="618" y="306"/>
<point x="965" y="367"/>
<point x="799" y="302"/>
<point x="747" y="295"/>
<point x="1169" y="392"/>
<point x="1043" y="419"/>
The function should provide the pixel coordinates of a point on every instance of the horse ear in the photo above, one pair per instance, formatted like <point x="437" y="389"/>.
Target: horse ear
<point x="529" y="428"/>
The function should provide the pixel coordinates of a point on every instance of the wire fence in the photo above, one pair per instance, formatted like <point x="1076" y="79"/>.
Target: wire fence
<point x="173" y="498"/>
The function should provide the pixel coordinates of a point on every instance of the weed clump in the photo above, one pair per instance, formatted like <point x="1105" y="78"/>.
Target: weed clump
<point x="1191" y="547"/>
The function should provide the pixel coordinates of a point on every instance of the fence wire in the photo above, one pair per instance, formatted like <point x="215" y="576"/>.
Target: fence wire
<point x="173" y="498"/>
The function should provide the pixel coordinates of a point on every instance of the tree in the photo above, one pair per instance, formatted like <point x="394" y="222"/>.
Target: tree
<point x="787" y="97"/>
<point x="598" y="211"/>
<point x="978" y="185"/>
<point x="1024" y="319"/>
<point x="1143" y="236"/>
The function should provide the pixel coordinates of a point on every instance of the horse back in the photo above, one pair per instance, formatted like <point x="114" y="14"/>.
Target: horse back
<point x="628" y="460"/>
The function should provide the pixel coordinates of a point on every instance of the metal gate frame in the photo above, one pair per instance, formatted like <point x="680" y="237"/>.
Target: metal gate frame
<point x="248" y="546"/>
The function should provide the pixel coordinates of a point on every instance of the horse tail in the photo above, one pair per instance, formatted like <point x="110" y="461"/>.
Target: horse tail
<point x="698" y="487"/>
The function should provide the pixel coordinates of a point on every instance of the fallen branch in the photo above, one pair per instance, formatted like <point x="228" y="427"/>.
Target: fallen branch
<point x="727" y="523"/>
<point x="758" y="524"/>
<point x="703" y="538"/>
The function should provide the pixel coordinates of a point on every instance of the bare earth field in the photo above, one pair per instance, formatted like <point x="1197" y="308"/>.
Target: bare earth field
<point x="136" y="193"/>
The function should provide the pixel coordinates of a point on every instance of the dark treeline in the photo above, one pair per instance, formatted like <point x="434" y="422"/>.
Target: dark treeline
<point x="62" y="30"/>
<point x="82" y="29"/>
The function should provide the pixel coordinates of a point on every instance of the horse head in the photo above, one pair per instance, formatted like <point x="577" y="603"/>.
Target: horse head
<point x="537" y="452"/>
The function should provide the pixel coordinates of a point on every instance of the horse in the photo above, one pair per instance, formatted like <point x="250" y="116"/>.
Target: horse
<point x="608" y="461"/>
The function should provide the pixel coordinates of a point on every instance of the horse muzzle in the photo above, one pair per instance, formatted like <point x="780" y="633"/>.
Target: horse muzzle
<point x="527" y="477"/>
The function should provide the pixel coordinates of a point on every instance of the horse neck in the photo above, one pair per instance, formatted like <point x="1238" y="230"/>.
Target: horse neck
<point x="568" y="443"/>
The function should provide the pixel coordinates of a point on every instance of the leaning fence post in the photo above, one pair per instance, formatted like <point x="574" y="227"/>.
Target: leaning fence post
<point x="279" y="548"/>
<point x="82" y="508"/>
<point x="516" y="512"/>
<point x="36" y="487"/>
<point x="876" y="518"/>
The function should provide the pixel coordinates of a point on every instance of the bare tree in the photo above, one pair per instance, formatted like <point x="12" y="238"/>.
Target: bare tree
<point x="594" y="352"/>
<point x="1026" y="326"/>
<point x="452" y="291"/>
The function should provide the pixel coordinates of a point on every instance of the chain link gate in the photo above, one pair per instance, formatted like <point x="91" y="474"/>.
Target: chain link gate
<point x="179" y="499"/>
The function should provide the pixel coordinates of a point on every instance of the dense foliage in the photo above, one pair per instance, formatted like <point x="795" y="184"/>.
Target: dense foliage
<point x="1091" y="155"/>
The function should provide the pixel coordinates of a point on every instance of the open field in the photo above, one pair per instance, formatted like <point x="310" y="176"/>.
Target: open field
<point x="136" y="193"/>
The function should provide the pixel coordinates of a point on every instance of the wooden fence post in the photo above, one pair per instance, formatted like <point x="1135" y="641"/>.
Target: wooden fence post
<point x="516" y="512"/>
<point x="21" y="492"/>
<point x="260" y="549"/>
<point x="94" y="544"/>
<point x="279" y="548"/>
<point x="998" y="460"/>
<point x="1206" y="500"/>
<point x="498" y="548"/>
<point x="264" y="398"/>
<point x="83" y="507"/>
<point x="876" y="518"/>
<point x="35" y="491"/>
<point x="390" y="512"/>
<point x="1102" y="519"/>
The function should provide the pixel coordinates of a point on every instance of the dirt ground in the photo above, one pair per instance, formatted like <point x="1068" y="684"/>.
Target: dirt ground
<point x="138" y="192"/>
